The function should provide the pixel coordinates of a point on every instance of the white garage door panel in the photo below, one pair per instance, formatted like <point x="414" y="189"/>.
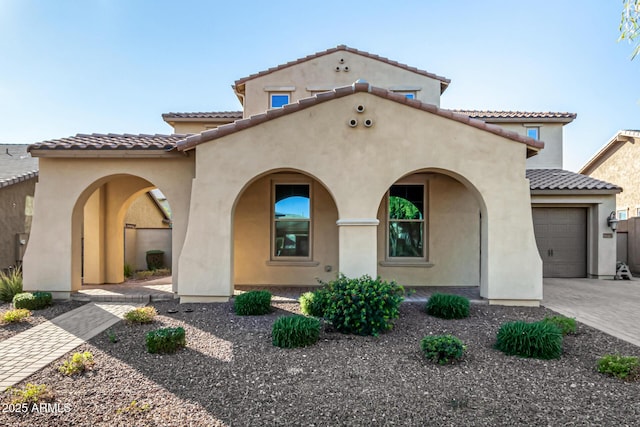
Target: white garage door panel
<point x="561" y="235"/>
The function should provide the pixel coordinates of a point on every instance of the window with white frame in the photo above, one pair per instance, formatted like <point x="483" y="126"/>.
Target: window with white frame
<point x="278" y="99"/>
<point x="291" y="221"/>
<point x="637" y="211"/>
<point x="406" y="221"/>
<point x="410" y="94"/>
<point x="622" y="214"/>
<point x="533" y="132"/>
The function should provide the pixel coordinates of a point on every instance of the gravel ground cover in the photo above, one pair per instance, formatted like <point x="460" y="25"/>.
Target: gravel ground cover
<point x="37" y="316"/>
<point x="230" y="374"/>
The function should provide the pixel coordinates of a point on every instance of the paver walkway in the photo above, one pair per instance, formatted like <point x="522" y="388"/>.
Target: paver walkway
<point x="612" y="306"/>
<point x="31" y="350"/>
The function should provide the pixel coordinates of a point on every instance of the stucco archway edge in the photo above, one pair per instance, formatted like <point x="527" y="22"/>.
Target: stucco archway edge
<point x="357" y="165"/>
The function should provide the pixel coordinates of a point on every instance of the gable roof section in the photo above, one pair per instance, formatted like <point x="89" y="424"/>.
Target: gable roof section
<point x="214" y="116"/>
<point x="559" y="180"/>
<point x="106" y="143"/>
<point x="194" y="140"/>
<point x="518" y="116"/>
<point x="613" y="145"/>
<point x="444" y="82"/>
<point x="16" y="165"/>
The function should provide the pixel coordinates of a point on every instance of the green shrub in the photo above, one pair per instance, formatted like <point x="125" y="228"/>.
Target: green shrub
<point x="77" y="363"/>
<point x="623" y="367"/>
<point x="363" y="306"/>
<point x="252" y="303"/>
<point x="31" y="394"/>
<point x="162" y="272"/>
<point x="145" y="274"/>
<point x="314" y="303"/>
<point x="442" y="349"/>
<point x="32" y="301"/>
<point x="541" y="340"/>
<point x="567" y="325"/>
<point x="165" y="340"/>
<point x="448" y="306"/>
<point x="15" y="315"/>
<point x="141" y="315"/>
<point x="10" y="284"/>
<point x="295" y="331"/>
<point x="128" y="270"/>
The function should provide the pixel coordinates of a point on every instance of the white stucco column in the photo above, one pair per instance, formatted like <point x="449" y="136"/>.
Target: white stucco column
<point x="357" y="240"/>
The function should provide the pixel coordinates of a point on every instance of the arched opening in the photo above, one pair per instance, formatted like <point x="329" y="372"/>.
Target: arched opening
<point x="284" y="231"/>
<point x="105" y="224"/>
<point x="430" y="230"/>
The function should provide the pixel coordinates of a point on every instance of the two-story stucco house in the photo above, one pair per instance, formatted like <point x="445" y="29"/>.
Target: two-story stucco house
<point x="341" y="161"/>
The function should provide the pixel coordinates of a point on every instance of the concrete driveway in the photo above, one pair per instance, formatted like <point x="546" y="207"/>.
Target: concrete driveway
<point x="613" y="306"/>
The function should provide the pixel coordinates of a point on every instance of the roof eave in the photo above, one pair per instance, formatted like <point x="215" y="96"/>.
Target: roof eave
<point x="565" y="192"/>
<point x="563" y="120"/>
<point x="106" y="153"/>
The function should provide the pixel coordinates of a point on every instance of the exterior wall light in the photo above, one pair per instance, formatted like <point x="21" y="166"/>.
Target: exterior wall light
<point x="612" y="221"/>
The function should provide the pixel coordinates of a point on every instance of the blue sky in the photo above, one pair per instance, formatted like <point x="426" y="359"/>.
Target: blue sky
<point x="103" y="66"/>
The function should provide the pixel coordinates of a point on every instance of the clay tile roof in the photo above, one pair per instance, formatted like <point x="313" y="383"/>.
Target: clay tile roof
<point x="96" y="141"/>
<point x="559" y="179"/>
<point x="204" y="115"/>
<point x="501" y="116"/>
<point x="613" y="145"/>
<point x="191" y="141"/>
<point x="444" y="82"/>
<point x="16" y="164"/>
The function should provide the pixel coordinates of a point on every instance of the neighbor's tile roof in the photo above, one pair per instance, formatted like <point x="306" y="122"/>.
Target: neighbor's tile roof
<point x="518" y="115"/>
<point x="111" y="141"/>
<point x="444" y="82"/>
<point x="559" y="179"/>
<point x="16" y="164"/>
<point x="204" y="115"/>
<point x="193" y="140"/>
<point x="613" y="145"/>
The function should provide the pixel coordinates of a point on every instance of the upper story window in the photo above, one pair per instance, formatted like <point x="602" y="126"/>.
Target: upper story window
<point x="278" y="99"/>
<point x="406" y="221"/>
<point x="622" y="214"/>
<point x="291" y="220"/>
<point x="407" y="94"/>
<point x="533" y="132"/>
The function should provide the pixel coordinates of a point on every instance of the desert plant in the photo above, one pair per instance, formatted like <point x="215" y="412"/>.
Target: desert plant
<point x="113" y="338"/>
<point x="252" y="303"/>
<point x="10" y="284"/>
<point x="77" y="363"/>
<point x="314" y="303"/>
<point x="165" y="340"/>
<point x="31" y="394"/>
<point x="442" y="349"/>
<point x="162" y="272"/>
<point x="134" y="407"/>
<point x="567" y="325"/>
<point x="540" y="340"/>
<point x="32" y="300"/>
<point x="145" y="274"/>
<point x="295" y="331"/>
<point x="141" y="315"/>
<point x="15" y="315"/>
<point x="363" y="306"/>
<point x="128" y="270"/>
<point x="623" y="367"/>
<point x="447" y="306"/>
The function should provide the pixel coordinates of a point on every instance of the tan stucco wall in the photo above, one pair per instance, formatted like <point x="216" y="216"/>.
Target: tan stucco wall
<point x="551" y="134"/>
<point x="601" y="241"/>
<point x="52" y="262"/>
<point x="252" y="237"/>
<point x="14" y="218"/>
<point x="145" y="213"/>
<point x="623" y="169"/>
<point x="357" y="166"/>
<point x="320" y="73"/>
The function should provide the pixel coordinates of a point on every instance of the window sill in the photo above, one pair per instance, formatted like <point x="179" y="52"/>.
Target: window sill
<point x="418" y="264"/>
<point x="291" y="263"/>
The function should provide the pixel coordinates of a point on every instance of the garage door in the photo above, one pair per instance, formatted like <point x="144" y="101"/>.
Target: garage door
<point x="561" y="235"/>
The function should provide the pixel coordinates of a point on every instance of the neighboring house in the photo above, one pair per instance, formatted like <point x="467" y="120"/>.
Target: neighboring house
<point x="319" y="175"/>
<point x="18" y="176"/>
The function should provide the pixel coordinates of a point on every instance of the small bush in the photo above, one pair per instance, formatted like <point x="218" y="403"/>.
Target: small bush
<point x="540" y="340"/>
<point x="623" y="367"/>
<point x="252" y="303"/>
<point x="128" y="270"/>
<point x="162" y="272"/>
<point x="363" y="306"/>
<point x="32" y="301"/>
<point x="567" y="325"/>
<point x="77" y="363"/>
<point x="15" y="315"/>
<point x="295" y="331"/>
<point x="10" y="284"/>
<point x="448" y="306"/>
<point x="314" y="303"/>
<point x="442" y="349"/>
<point x="165" y="340"/>
<point x="141" y="315"/>
<point x="134" y="408"/>
<point x="145" y="274"/>
<point x="30" y="395"/>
